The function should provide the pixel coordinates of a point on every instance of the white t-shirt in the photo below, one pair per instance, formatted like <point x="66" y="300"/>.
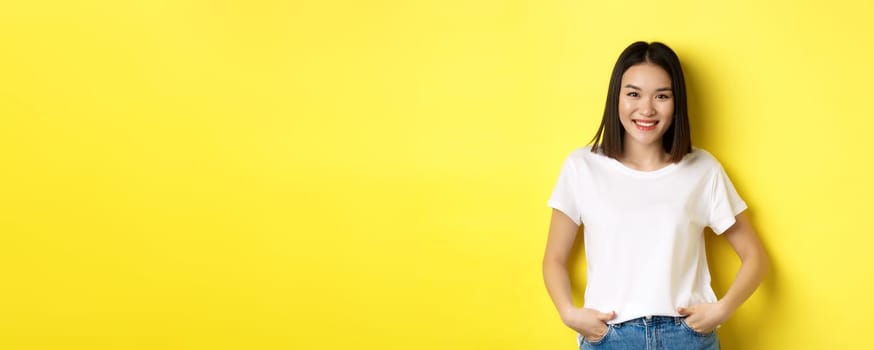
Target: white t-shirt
<point x="643" y="230"/>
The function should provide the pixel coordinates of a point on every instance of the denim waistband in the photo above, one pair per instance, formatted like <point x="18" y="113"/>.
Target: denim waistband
<point x="653" y="320"/>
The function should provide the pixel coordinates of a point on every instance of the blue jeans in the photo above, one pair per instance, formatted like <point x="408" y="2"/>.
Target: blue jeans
<point x="652" y="333"/>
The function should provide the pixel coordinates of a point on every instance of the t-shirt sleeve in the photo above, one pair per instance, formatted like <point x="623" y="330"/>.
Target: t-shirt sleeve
<point x="564" y="194"/>
<point x="725" y="203"/>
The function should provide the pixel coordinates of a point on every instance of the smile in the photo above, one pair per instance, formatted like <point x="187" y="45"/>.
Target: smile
<point x="645" y="125"/>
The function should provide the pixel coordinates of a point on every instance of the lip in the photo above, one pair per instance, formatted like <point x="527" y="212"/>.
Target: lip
<point x="645" y="128"/>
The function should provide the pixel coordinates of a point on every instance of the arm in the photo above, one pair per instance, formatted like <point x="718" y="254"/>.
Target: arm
<point x="562" y="233"/>
<point x="754" y="266"/>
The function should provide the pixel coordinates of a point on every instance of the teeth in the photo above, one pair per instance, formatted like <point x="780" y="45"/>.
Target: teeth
<point x="644" y="123"/>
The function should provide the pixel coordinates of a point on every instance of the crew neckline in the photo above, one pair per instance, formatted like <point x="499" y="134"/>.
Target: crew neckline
<point x="646" y="173"/>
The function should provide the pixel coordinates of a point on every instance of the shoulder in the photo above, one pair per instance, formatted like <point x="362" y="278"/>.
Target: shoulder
<point x="702" y="158"/>
<point x="581" y="152"/>
<point x="583" y="157"/>
<point x="700" y="164"/>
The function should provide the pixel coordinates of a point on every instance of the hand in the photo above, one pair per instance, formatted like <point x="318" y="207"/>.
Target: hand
<point x="592" y="324"/>
<point x="703" y="318"/>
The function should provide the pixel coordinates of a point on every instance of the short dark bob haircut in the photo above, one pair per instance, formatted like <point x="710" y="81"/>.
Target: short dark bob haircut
<point x="677" y="140"/>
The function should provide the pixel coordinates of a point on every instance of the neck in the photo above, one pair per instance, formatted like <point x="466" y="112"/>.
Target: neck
<point x="644" y="157"/>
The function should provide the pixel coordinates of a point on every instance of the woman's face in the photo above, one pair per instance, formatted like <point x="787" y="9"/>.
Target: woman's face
<point x="646" y="104"/>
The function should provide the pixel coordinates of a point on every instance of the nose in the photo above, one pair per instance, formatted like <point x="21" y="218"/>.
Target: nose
<point x="646" y="108"/>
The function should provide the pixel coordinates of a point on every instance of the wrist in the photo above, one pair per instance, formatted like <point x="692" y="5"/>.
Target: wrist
<point x="565" y="311"/>
<point x="725" y="310"/>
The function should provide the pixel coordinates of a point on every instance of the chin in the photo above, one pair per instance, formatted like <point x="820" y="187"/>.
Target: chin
<point x="648" y="140"/>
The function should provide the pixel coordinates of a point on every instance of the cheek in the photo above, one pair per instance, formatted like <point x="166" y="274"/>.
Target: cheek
<point x="668" y="109"/>
<point x="668" y="112"/>
<point x="625" y="108"/>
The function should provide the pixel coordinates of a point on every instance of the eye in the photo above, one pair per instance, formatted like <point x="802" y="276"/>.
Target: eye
<point x="632" y="94"/>
<point x="663" y="97"/>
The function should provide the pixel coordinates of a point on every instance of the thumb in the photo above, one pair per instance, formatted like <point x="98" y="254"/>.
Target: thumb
<point x="683" y="311"/>
<point x="607" y="316"/>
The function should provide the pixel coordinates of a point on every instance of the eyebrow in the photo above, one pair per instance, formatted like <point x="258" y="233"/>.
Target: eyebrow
<point x="637" y="88"/>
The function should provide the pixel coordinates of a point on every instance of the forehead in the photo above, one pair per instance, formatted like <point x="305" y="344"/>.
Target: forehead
<point x="646" y="75"/>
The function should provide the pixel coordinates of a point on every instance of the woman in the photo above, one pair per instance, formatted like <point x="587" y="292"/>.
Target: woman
<point x="644" y="196"/>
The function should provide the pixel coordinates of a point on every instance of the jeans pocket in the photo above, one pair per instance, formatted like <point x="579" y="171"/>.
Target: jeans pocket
<point x="686" y="326"/>
<point x="601" y="339"/>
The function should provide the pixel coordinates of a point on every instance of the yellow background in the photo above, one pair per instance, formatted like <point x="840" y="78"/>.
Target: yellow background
<point x="374" y="174"/>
